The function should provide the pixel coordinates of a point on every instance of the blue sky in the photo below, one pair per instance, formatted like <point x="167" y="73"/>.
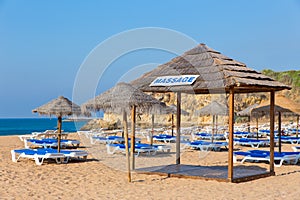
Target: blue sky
<point x="43" y="43"/>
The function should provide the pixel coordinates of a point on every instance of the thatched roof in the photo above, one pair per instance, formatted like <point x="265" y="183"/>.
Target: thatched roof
<point x="282" y="104"/>
<point x="217" y="73"/>
<point x="172" y="109"/>
<point x="265" y="110"/>
<point x="123" y="97"/>
<point x="247" y="111"/>
<point x="59" y="107"/>
<point x="214" y="108"/>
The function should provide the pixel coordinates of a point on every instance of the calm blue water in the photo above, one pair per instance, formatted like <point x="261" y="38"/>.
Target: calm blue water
<point x="24" y="126"/>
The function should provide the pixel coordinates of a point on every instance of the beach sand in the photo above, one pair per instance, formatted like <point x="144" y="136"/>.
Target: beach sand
<point x="103" y="177"/>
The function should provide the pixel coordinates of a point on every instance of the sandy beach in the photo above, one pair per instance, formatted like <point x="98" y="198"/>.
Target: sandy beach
<point x="97" y="178"/>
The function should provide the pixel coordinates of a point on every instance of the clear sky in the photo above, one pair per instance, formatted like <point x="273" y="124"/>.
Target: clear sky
<point x="43" y="43"/>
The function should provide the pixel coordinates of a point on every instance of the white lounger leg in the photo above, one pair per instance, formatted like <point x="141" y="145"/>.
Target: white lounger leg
<point x="13" y="156"/>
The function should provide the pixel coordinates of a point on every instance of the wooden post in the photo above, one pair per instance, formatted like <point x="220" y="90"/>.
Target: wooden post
<point x="172" y="119"/>
<point x="59" y="122"/>
<point x="213" y="128"/>
<point x="231" y="129"/>
<point x="297" y="126"/>
<point x="125" y="127"/>
<point x="217" y="124"/>
<point x="279" y="132"/>
<point x="152" y="130"/>
<point x="178" y="121"/>
<point x="249" y="127"/>
<point x="133" y="120"/>
<point x="272" y="122"/>
<point x="257" y="127"/>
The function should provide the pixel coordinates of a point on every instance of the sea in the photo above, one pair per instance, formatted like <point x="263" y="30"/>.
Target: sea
<point x="20" y="126"/>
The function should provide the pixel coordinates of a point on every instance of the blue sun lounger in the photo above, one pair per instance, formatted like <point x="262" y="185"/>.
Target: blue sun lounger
<point x="289" y="139"/>
<point x="206" y="146"/>
<point x="49" y="142"/>
<point x="39" y="155"/>
<point x="258" y="155"/>
<point x="164" y="138"/>
<point x="208" y="136"/>
<point x="139" y="148"/>
<point x="110" y="139"/>
<point x="251" y="142"/>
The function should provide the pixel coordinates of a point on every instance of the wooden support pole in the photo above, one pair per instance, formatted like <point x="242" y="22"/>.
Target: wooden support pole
<point x="178" y="121"/>
<point x="256" y="127"/>
<point x="133" y="120"/>
<point x="279" y="132"/>
<point x="59" y="122"/>
<point x="152" y="130"/>
<point x="213" y="128"/>
<point x="272" y="123"/>
<point x="125" y="127"/>
<point x="297" y="126"/>
<point x="172" y="120"/>
<point x="231" y="129"/>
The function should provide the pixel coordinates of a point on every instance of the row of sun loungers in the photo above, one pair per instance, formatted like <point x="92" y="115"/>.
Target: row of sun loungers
<point x="39" y="155"/>
<point x="45" y="134"/>
<point x="207" y="146"/>
<point x="139" y="148"/>
<point x="110" y="139"/>
<point x="259" y="155"/>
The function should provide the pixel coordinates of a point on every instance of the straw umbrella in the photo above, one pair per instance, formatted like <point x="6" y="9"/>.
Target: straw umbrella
<point x="247" y="113"/>
<point x="59" y="107"/>
<point x="172" y="109"/>
<point x="123" y="99"/>
<point x="214" y="109"/>
<point x="264" y="110"/>
<point x="210" y="72"/>
<point x="289" y="104"/>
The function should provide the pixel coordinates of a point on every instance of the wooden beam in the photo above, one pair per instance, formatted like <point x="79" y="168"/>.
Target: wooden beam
<point x="272" y="122"/>
<point x="133" y="120"/>
<point x="178" y="121"/>
<point x="125" y="127"/>
<point x="231" y="129"/>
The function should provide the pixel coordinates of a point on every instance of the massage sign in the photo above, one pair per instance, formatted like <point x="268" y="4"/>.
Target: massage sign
<point x="174" y="80"/>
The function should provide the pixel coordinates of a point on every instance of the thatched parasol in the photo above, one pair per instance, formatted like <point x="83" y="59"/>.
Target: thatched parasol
<point x="247" y="113"/>
<point x="124" y="98"/>
<point x="264" y="110"/>
<point x="210" y="72"/>
<point x="172" y="109"/>
<point x="59" y="107"/>
<point x="214" y="109"/>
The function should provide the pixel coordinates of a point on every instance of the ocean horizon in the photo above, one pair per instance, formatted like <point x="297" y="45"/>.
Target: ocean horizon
<point x="20" y="126"/>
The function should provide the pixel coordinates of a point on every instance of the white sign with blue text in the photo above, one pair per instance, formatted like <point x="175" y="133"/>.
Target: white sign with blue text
<point x="174" y="80"/>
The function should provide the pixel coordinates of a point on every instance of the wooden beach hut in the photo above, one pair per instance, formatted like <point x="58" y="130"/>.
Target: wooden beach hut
<point x="59" y="107"/>
<point x="122" y="99"/>
<point x="203" y="70"/>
